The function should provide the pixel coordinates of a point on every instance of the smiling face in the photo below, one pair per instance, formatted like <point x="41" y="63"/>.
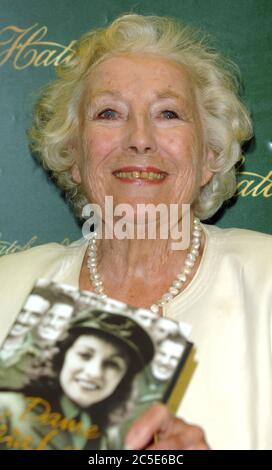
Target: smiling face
<point x="54" y="322"/>
<point x="31" y="313"/>
<point x="164" y="327"/>
<point x="166" y="359"/>
<point x="25" y="322"/>
<point x="92" y="370"/>
<point x="141" y="139"/>
<point x="146" y="318"/>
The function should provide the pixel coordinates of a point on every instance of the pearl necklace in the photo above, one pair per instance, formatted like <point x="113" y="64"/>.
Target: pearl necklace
<point x="177" y="284"/>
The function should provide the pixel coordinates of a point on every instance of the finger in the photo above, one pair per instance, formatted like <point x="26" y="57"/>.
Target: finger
<point x="188" y="440"/>
<point x="172" y="443"/>
<point x="156" y="419"/>
<point x="177" y="426"/>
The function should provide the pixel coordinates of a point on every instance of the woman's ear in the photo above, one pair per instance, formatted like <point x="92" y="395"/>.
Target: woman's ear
<point x="75" y="171"/>
<point x="207" y="174"/>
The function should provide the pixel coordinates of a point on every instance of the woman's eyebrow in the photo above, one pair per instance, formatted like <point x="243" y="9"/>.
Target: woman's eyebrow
<point x="169" y="94"/>
<point x="117" y="94"/>
<point x="116" y="355"/>
<point x="101" y="93"/>
<point x="84" y="348"/>
<point x="87" y="348"/>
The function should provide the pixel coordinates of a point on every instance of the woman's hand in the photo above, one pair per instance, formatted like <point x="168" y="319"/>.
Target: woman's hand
<point x="171" y="432"/>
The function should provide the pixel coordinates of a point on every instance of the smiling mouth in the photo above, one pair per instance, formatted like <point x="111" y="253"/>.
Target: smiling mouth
<point x="163" y="368"/>
<point x="140" y="175"/>
<point x="87" y="384"/>
<point x="144" y="175"/>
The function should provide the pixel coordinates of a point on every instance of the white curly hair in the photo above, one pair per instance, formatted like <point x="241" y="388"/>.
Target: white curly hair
<point x="226" y="121"/>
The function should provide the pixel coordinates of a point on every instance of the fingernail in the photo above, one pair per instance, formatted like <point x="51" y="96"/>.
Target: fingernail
<point x="126" y="447"/>
<point x="130" y="444"/>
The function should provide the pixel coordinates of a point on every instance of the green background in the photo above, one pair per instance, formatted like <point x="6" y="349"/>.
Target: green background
<point x="30" y="203"/>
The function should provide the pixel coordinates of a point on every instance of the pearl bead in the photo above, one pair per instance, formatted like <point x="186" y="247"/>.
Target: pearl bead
<point x="177" y="284"/>
<point x="154" y="308"/>
<point x="93" y="270"/>
<point x="196" y="244"/>
<point x="187" y="270"/>
<point x="173" y="291"/>
<point x="95" y="277"/>
<point x="189" y="263"/>
<point x="196" y="232"/>
<point x="182" y="277"/>
<point x="167" y="297"/>
<point x="92" y="264"/>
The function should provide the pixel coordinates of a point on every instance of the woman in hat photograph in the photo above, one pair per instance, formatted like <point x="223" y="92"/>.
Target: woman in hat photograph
<point x="92" y="389"/>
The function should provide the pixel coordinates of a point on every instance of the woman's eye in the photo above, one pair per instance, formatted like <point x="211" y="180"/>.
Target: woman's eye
<point x="107" y="114"/>
<point x="85" y="356"/>
<point x="170" y="114"/>
<point x="113" y="365"/>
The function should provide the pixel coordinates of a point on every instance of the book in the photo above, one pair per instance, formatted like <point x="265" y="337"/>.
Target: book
<point x="76" y="370"/>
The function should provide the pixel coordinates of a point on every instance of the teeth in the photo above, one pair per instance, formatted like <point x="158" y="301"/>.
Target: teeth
<point x="140" y="175"/>
<point x="88" y="385"/>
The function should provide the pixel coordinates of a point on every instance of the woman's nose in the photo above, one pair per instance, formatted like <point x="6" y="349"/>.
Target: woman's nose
<point x="163" y="360"/>
<point x="140" y="137"/>
<point x="94" y="369"/>
<point x="51" y="320"/>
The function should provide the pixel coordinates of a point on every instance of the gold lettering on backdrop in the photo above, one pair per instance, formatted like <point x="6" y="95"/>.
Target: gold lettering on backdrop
<point x="26" y="48"/>
<point x="14" y="247"/>
<point x="254" y="184"/>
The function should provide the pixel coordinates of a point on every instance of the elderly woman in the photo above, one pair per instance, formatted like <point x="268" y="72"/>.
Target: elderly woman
<point x="147" y="113"/>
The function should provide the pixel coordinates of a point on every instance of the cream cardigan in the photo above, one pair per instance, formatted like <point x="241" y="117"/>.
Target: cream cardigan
<point x="229" y="306"/>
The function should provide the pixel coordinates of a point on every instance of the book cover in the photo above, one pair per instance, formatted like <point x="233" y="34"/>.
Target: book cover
<point x="76" y="370"/>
